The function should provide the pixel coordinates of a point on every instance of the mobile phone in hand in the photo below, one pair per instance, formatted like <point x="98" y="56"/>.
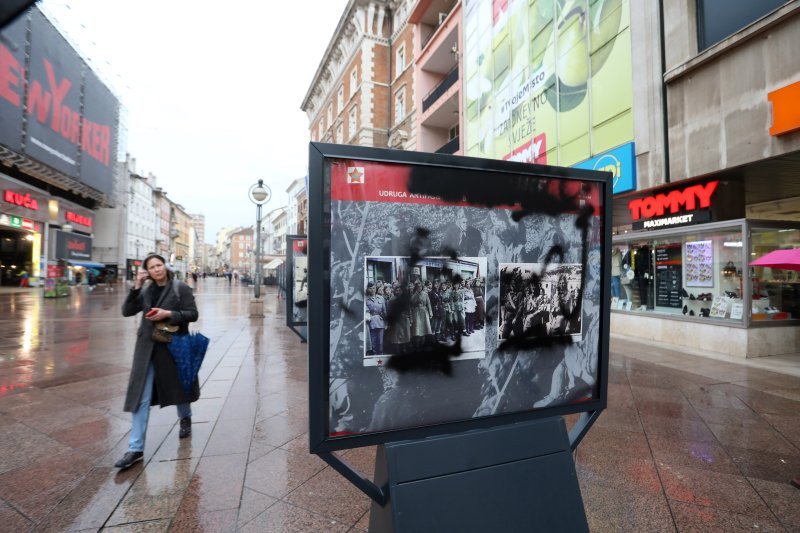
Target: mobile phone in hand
<point x="151" y="313"/>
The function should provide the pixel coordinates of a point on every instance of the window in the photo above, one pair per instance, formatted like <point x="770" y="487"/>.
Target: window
<point x="452" y="133"/>
<point x="400" y="106"/>
<point x="351" y="124"/>
<point x="241" y="254"/>
<point x="697" y="275"/>
<point x="719" y="19"/>
<point x="319" y="128"/>
<point x="340" y="99"/>
<point x="330" y="114"/>
<point x="400" y="60"/>
<point x="339" y="133"/>
<point x="776" y="291"/>
<point x="353" y="81"/>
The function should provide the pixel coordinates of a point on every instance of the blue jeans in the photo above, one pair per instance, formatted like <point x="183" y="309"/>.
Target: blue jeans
<point x="616" y="287"/>
<point x="142" y="414"/>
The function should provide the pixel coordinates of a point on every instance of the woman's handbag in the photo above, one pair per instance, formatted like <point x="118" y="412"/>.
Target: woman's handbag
<point x="162" y="331"/>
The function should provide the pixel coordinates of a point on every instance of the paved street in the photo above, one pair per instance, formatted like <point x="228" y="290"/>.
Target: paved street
<point x="687" y="444"/>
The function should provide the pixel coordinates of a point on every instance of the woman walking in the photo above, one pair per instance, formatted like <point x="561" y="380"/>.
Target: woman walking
<point x="154" y="375"/>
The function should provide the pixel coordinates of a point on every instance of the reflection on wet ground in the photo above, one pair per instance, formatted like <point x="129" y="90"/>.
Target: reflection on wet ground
<point x="687" y="443"/>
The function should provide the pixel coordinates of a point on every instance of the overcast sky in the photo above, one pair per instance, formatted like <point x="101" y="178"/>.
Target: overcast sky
<point x="212" y="91"/>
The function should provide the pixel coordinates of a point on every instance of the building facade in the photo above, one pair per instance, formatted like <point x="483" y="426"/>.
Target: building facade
<point x="713" y="133"/>
<point x="437" y="72"/>
<point x="242" y="250"/>
<point x="354" y="93"/>
<point x="58" y="164"/>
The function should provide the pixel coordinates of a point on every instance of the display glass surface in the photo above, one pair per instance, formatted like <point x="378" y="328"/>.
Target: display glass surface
<point x="451" y="291"/>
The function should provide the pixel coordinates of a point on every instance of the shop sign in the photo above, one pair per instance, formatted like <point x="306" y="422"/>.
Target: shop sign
<point x="13" y="221"/>
<point x="785" y="109"/>
<point x="620" y="161"/>
<point x="73" y="246"/>
<point x="22" y="200"/>
<point x="681" y="207"/>
<point x="79" y="219"/>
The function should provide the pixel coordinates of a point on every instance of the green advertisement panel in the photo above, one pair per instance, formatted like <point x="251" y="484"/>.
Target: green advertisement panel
<point x="547" y="81"/>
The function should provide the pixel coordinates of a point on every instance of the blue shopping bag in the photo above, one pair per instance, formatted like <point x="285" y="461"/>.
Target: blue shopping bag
<point x="188" y="352"/>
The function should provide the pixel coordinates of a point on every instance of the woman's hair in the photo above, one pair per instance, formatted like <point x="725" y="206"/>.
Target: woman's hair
<point x="170" y="273"/>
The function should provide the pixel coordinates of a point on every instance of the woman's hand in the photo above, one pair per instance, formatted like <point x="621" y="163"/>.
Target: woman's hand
<point x="141" y="276"/>
<point x="159" y="315"/>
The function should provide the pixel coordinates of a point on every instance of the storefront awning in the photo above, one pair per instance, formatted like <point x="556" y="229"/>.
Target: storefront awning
<point x="87" y="264"/>
<point x="275" y="263"/>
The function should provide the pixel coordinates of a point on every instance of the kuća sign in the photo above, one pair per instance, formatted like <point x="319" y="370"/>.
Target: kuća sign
<point x="677" y="207"/>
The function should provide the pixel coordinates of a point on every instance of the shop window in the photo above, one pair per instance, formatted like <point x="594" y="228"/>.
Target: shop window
<point x="697" y="275"/>
<point x="776" y="291"/>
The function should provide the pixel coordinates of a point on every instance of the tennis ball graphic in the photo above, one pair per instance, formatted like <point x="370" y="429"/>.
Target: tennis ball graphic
<point x="573" y="62"/>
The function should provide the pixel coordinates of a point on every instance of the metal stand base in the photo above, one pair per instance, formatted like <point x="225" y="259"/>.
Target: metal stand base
<point x="518" y="477"/>
<point x="300" y="331"/>
<point x="257" y="307"/>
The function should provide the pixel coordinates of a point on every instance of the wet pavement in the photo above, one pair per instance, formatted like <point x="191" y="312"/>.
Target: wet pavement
<point x="688" y="443"/>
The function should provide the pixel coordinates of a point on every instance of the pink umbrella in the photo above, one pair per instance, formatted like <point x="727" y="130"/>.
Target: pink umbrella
<point x="785" y="259"/>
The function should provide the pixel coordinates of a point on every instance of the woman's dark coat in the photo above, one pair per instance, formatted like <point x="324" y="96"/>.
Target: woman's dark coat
<point x="167" y="389"/>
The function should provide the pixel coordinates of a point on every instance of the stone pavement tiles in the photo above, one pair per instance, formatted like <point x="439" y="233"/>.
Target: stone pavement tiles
<point x="677" y="449"/>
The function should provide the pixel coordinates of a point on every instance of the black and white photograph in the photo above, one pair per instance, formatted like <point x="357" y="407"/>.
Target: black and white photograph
<point x="436" y="301"/>
<point x="539" y="300"/>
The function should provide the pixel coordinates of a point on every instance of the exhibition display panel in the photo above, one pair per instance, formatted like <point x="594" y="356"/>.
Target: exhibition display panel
<point x="450" y="293"/>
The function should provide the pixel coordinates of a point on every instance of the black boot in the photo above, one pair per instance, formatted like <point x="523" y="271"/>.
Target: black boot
<point x="186" y="427"/>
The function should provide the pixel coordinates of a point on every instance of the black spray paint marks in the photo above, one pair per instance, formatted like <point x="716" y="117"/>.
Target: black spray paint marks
<point x="534" y="197"/>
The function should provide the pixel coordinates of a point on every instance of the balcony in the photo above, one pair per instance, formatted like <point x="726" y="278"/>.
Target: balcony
<point x="440" y="89"/>
<point x="450" y="147"/>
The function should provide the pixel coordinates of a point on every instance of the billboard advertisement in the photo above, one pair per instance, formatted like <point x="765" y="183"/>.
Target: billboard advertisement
<point x="73" y="247"/>
<point x="72" y="120"/>
<point x="451" y="291"/>
<point x="547" y="81"/>
<point x="54" y="98"/>
<point x="98" y="142"/>
<point x="13" y="39"/>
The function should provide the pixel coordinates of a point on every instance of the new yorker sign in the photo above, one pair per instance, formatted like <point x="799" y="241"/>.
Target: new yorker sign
<point x="689" y="202"/>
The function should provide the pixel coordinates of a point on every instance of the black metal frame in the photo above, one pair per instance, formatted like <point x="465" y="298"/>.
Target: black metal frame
<point x="289" y="288"/>
<point x="319" y="250"/>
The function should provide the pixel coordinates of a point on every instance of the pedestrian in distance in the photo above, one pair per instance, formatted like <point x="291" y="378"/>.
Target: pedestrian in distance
<point x="154" y="374"/>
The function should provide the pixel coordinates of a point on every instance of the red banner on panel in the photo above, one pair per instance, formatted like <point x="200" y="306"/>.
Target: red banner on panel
<point x="367" y="181"/>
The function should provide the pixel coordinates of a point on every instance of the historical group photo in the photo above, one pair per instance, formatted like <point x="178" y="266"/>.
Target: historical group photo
<point x="537" y="303"/>
<point x="436" y="300"/>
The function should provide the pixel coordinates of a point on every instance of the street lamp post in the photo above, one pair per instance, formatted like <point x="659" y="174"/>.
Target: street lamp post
<point x="259" y="195"/>
<point x="138" y="243"/>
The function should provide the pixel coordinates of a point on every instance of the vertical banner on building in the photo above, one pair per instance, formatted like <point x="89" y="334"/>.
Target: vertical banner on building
<point x="547" y="81"/>
<point x="98" y="135"/>
<point x="54" y="98"/>
<point x="13" y="39"/>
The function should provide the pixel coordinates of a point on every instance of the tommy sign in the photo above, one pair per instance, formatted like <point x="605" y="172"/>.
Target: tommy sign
<point x="689" y="205"/>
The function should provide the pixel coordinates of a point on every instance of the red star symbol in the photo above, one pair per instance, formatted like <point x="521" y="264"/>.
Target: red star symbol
<point x="380" y="362"/>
